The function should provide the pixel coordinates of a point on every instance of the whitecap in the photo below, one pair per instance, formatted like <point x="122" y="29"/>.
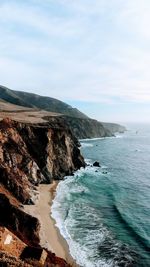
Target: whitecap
<point x="63" y="211"/>
<point x="119" y="135"/>
<point x="86" y="145"/>
<point x="84" y="253"/>
<point x="96" y="138"/>
<point x="88" y="161"/>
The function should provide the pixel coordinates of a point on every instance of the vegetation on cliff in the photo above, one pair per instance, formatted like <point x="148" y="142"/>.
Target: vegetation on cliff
<point x="41" y="102"/>
<point x="80" y="124"/>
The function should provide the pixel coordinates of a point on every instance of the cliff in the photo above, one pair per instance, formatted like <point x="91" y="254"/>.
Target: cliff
<point x="87" y="128"/>
<point x="114" y="127"/>
<point x="17" y="221"/>
<point x="31" y="154"/>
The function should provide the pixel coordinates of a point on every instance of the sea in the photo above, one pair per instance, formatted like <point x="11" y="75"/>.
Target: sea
<point x="104" y="212"/>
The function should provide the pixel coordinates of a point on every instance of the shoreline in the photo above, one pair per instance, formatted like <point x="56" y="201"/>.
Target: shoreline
<point x="50" y="236"/>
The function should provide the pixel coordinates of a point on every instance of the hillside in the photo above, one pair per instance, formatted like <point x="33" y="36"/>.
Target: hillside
<point x="41" y="102"/>
<point x="36" y="108"/>
<point x="87" y="128"/>
<point x="114" y="127"/>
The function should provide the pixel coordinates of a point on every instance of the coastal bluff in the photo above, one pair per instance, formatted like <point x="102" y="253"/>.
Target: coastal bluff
<point x="32" y="154"/>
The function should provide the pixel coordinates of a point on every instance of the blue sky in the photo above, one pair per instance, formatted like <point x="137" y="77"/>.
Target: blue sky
<point x="94" y="55"/>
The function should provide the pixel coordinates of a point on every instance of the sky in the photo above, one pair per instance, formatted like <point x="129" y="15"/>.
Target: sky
<point x="92" y="54"/>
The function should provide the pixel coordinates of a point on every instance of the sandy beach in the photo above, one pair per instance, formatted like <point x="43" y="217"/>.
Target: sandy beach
<point x="50" y="236"/>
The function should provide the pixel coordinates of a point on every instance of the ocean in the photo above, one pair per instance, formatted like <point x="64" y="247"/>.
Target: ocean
<point x="104" y="213"/>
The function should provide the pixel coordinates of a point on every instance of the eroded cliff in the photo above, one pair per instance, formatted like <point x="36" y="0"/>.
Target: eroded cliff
<point x="31" y="154"/>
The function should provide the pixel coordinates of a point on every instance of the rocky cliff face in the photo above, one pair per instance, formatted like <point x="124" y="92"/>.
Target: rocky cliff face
<point x="22" y="224"/>
<point x="33" y="154"/>
<point x="24" y="228"/>
<point x="114" y="127"/>
<point x="87" y="128"/>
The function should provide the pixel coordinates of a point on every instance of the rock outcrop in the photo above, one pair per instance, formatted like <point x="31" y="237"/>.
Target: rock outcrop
<point x="96" y="164"/>
<point x="33" y="154"/>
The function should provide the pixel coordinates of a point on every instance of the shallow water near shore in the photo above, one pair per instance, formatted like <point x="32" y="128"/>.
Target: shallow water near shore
<point x="104" y="213"/>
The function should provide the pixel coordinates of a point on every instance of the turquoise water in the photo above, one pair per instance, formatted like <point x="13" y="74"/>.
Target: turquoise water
<point x="104" y="213"/>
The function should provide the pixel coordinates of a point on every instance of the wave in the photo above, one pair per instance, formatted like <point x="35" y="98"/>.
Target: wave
<point x="126" y="223"/>
<point x="119" y="135"/>
<point x="86" y="145"/>
<point x="92" y="139"/>
<point x="69" y="216"/>
<point x="74" y="231"/>
<point x="97" y="138"/>
<point x="88" y="161"/>
<point x="91" y="244"/>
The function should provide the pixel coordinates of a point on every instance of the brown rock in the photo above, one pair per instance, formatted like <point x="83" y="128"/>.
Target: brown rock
<point x="20" y="223"/>
<point x="29" y="155"/>
<point x="33" y="154"/>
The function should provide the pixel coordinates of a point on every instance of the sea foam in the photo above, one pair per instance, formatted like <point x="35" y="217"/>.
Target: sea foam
<point x="78" y="222"/>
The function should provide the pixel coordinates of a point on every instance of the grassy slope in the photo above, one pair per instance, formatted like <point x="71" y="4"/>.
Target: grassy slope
<point x="81" y="125"/>
<point x="41" y="102"/>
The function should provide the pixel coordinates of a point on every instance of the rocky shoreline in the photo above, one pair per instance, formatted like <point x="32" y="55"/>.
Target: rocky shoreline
<point x="31" y="154"/>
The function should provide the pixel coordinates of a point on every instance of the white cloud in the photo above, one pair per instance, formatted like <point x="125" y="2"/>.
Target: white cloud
<point x="33" y="18"/>
<point x="94" y="51"/>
